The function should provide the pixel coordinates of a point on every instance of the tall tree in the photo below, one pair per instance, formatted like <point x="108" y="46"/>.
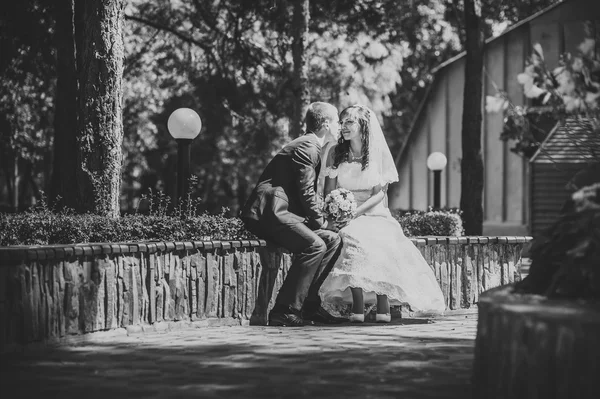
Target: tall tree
<point x="300" y="78"/>
<point x="471" y="195"/>
<point x="100" y="54"/>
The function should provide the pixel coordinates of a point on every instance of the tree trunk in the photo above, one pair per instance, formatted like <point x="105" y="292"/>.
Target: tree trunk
<point x="100" y="61"/>
<point x="530" y="347"/>
<point x="471" y="196"/>
<point x="64" y="177"/>
<point x="16" y="178"/>
<point x="300" y="78"/>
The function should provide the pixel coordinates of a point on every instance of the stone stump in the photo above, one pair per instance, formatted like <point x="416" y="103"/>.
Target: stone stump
<point x="532" y="347"/>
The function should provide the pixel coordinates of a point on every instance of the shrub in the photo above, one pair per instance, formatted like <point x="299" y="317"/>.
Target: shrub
<point x="165" y="222"/>
<point x="565" y="259"/>
<point x="43" y="226"/>
<point x="34" y="228"/>
<point x="430" y="223"/>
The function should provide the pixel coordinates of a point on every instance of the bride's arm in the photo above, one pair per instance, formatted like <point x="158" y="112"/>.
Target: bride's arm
<point x="377" y="195"/>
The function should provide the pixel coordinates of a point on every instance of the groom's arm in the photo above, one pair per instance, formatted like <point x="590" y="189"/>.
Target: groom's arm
<point x="305" y="159"/>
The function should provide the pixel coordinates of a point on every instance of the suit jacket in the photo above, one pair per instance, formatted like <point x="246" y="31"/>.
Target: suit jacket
<point x="286" y="190"/>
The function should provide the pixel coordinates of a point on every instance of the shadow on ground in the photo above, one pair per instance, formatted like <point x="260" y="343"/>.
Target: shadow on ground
<point x="248" y="363"/>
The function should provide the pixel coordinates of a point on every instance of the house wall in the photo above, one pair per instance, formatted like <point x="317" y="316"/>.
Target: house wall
<point x="455" y="82"/>
<point x="438" y="128"/>
<point x="549" y="192"/>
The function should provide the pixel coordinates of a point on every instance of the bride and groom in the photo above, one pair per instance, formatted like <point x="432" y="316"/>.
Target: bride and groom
<point x="366" y="260"/>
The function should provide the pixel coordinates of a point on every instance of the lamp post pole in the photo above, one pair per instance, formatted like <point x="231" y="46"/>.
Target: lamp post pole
<point x="184" y="124"/>
<point x="183" y="167"/>
<point x="437" y="188"/>
<point x="436" y="162"/>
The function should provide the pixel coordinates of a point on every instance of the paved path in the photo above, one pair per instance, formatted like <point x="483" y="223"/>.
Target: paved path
<point x="408" y="358"/>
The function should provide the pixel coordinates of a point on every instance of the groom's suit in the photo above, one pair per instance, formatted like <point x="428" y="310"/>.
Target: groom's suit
<point x="283" y="209"/>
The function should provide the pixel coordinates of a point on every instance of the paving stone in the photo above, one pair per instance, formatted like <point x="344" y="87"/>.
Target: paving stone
<point x="408" y="358"/>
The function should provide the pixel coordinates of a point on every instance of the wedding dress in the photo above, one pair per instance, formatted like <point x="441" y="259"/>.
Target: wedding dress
<point x="376" y="255"/>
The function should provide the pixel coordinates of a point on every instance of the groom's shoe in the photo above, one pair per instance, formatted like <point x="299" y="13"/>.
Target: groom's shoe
<point x="284" y="316"/>
<point x="323" y="316"/>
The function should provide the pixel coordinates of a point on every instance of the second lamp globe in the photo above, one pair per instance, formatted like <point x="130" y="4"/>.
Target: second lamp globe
<point x="436" y="161"/>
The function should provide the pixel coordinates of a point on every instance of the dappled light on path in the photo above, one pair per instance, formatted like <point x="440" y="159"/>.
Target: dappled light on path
<point x="410" y="360"/>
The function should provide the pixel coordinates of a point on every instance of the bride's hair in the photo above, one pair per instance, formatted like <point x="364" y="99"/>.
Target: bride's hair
<point x="342" y="150"/>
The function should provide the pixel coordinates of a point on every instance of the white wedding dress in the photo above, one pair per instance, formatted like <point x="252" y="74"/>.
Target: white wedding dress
<point x="376" y="255"/>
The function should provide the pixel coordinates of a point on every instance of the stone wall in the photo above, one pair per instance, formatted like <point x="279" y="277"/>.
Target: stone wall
<point x="52" y="292"/>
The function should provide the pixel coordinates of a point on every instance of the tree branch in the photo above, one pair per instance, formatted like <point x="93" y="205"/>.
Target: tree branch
<point x="173" y="31"/>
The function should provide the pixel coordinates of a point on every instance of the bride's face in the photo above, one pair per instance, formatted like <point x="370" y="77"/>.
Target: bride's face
<point x="350" y="126"/>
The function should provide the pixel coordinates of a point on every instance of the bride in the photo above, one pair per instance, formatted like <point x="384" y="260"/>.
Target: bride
<point x="378" y="262"/>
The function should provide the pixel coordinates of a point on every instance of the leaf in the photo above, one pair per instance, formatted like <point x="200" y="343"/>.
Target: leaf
<point x="591" y="99"/>
<point x="537" y="49"/>
<point x="546" y="98"/>
<point x="524" y="78"/>
<point x="533" y="91"/>
<point x="571" y="103"/>
<point x="587" y="47"/>
<point x="494" y="104"/>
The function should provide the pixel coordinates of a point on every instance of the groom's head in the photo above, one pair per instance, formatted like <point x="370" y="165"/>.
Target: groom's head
<point x="322" y="118"/>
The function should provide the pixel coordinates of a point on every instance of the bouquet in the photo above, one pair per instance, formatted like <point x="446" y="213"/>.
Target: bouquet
<point x="340" y="205"/>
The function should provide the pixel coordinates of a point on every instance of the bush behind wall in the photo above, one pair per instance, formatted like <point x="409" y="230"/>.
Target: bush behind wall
<point x="46" y="227"/>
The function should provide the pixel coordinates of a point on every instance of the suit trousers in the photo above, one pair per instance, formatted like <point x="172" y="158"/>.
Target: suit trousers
<point x="315" y="253"/>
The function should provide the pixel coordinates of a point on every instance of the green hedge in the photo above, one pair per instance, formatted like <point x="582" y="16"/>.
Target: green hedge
<point x="41" y="229"/>
<point x="43" y="226"/>
<point x="446" y="222"/>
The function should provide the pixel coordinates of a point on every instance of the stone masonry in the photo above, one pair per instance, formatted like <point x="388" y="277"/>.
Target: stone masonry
<point x="52" y="292"/>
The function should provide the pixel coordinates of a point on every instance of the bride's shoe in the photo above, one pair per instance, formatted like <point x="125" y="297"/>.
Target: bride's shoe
<point x="383" y="318"/>
<point x="356" y="318"/>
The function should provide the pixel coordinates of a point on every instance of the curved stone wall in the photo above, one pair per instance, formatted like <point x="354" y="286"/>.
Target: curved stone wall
<point x="56" y="291"/>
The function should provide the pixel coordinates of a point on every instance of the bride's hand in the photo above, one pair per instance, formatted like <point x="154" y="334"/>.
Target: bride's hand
<point x="357" y="216"/>
<point x="331" y="225"/>
<point x="341" y="225"/>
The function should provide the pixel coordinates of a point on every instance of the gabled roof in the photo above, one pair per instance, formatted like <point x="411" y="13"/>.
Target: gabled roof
<point x="444" y="64"/>
<point x="506" y="31"/>
<point x="571" y="141"/>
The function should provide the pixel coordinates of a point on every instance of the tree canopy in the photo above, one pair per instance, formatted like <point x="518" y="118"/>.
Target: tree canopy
<point x="231" y="61"/>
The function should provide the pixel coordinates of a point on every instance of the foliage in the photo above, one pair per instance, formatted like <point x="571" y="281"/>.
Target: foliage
<point x="431" y="222"/>
<point x="566" y="258"/>
<point x="45" y="225"/>
<point x="571" y="88"/>
<point x="240" y="85"/>
<point x="231" y="62"/>
<point x="26" y="95"/>
<point x="35" y="228"/>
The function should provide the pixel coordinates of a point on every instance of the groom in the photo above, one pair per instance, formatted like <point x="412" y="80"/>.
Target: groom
<point x="283" y="209"/>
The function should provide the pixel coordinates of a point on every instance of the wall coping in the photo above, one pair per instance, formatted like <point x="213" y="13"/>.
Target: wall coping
<point x="62" y="251"/>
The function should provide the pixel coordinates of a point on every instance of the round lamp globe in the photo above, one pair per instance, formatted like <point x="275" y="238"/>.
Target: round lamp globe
<point x="436" y="161"/>
<point x="184" y="123"/>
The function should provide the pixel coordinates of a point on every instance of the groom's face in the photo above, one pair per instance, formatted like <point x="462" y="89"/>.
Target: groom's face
<point x="334" y="127"/>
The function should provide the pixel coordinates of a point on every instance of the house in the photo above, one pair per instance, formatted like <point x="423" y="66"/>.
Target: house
<point x="437" y="126"/>
<point x="571" y="147"/>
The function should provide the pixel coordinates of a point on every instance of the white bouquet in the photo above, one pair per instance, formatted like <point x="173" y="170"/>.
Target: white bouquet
<point x="340" y="205"/>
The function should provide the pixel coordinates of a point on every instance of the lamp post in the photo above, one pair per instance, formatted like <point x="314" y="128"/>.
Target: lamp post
<point x="184" y="125"/>
<point x="436" y="162"/>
